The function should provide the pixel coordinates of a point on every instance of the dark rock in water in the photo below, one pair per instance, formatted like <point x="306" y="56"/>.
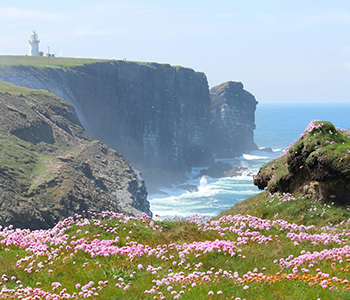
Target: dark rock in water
<point x="232" y="120"/>
<point x="189" y="187"/>
<point x="220" y="169"/>
<point x="266" y="149"/>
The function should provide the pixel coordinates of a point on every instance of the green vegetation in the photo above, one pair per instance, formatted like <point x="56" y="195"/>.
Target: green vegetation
<point x="40" y="61"/>
<point x="321" y="139"/>
<point x="291" y="208"/>
<point x="322" y="148"/>
<point x="18" y="159"/>
<point x="27" y="167"/>
<point x="232" y="257"/>
<point x="56" y="62"/>
<point x="7" y="87"/>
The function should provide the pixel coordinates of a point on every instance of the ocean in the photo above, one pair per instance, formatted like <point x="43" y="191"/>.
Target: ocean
<point x="277" y="126"/>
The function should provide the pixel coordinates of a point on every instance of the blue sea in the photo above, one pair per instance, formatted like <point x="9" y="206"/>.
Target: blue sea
<point x="277" y="126"/>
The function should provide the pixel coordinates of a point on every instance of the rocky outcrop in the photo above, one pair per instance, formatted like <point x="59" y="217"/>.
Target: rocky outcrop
<point x="316" y="166"/>
<point x="51" y="169"/>
<point x="158" y="116"/>
<point x="232" y="119"/>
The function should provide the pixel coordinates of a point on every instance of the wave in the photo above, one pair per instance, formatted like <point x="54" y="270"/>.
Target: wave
<point x="213" y="195"/>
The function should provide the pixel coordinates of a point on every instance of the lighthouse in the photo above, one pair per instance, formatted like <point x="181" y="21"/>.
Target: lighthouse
<point x="34" y="44"/>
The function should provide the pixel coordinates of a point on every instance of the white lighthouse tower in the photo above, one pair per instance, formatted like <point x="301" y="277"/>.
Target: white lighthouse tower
<point x="34" y="44"/>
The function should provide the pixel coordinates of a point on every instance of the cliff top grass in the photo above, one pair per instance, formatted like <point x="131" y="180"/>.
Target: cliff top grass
<point x="59" y="62"/>
<point x="42" y="61"/>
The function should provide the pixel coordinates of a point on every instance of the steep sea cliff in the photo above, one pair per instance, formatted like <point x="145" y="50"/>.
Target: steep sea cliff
<point x="159" y="117"/>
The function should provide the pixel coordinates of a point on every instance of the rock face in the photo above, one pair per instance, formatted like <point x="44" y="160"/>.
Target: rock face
<point x="232" y="119"/>
<point x="158" y="116"/>
<point x="317" y="166"/>
<point x="51" y="169"/>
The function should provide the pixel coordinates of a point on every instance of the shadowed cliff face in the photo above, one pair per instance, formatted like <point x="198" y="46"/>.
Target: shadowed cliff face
<point x="157" y="116"/>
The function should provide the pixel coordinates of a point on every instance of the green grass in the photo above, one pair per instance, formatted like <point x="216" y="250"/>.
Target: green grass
<point x="6" y="87"/>
<point x="292" y="208"/>
<point x="27" y="168"/>
<point x="57" y="62"/>
<point x="17" y="158"/>
<point x="40" y="61"/>
<point x="201" y="271"/>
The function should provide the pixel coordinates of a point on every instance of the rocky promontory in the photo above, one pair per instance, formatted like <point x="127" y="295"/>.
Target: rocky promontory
<point x="316" y="166"/>
<point x="51" y="169"/>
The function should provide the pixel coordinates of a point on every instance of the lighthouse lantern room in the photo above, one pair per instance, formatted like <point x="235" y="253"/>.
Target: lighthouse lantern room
<point x="34" y="44"/>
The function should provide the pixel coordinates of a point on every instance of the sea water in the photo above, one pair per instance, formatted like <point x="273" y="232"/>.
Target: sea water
<point x="277" y="126"/>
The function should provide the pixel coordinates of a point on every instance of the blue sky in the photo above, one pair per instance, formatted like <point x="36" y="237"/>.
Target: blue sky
<point x="282" y="51"/>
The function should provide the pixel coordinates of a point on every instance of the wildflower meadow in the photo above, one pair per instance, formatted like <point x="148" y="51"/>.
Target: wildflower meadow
<point x="112" y="256"/>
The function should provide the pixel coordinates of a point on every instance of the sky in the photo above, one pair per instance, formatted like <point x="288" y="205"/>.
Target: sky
<point x="281" y="50"/>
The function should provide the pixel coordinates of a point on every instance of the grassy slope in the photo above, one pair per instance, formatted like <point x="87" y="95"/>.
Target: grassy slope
<point x="27" y="165"/>
<point x="257" y="248"/>
<point x="292" y="208"/>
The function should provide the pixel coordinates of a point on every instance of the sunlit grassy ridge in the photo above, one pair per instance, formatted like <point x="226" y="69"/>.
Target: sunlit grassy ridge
<point x="235" y="256"/>
<point x="57" y="62"/>
<point x="41" y="61"/>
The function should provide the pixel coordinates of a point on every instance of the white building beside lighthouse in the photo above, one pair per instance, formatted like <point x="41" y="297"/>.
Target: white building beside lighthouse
<point x="34" y="44"/>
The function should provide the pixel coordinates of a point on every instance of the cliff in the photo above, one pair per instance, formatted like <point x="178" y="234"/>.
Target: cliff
<point x="232" y="119"/>
<point x="51" y="169"/>
<point x="158" y="116"/>
<point x="316" y="166"/>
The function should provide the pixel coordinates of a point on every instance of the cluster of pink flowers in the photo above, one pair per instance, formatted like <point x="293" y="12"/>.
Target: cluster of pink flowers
<point x="44" y="248"/>
<point x="314" y="125"/>
<point x="281" y="197"/>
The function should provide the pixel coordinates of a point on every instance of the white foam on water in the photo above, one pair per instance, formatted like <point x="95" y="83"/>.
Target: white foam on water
<point x="214" y="194"/>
